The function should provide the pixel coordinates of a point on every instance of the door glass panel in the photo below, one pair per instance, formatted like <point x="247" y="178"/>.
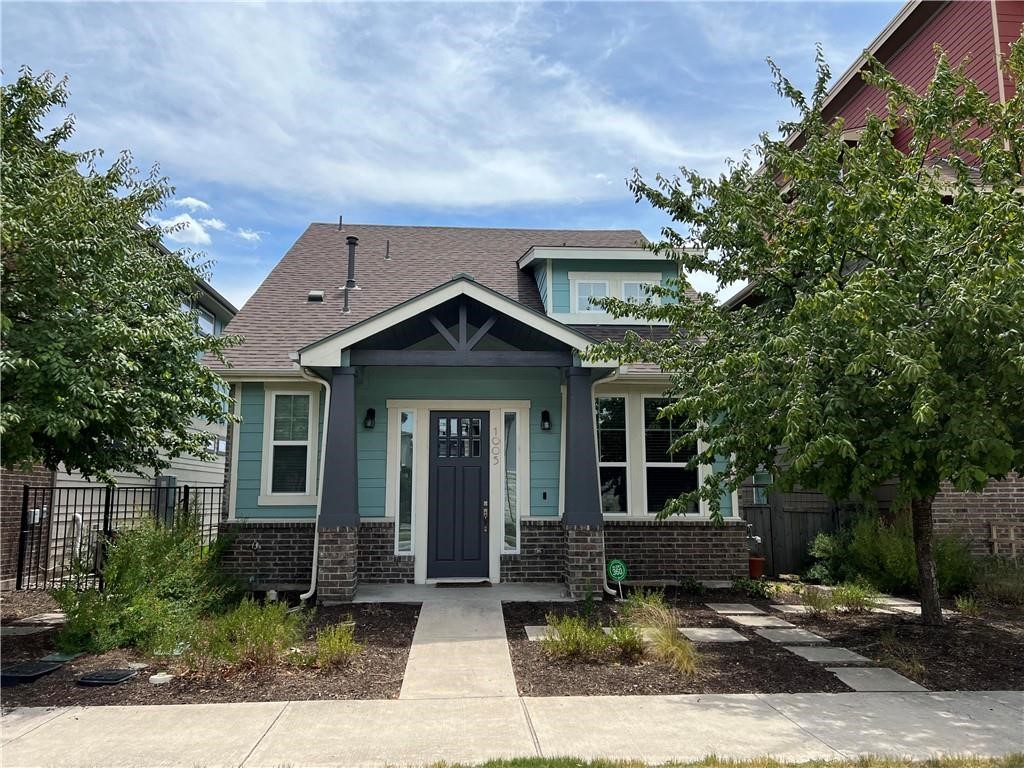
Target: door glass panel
<point x="405" y="437"/>
<point x="511" y="511"/>
<point x="442" y="448"/>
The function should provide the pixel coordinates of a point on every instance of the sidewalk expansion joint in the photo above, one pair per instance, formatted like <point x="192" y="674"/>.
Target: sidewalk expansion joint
<point x="530" y="728"/>
<point x="810" y="734"/>
<point x="264" y="734"/>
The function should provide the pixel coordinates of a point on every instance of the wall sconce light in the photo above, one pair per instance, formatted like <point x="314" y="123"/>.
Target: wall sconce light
<point x="545" y="420"/>
<point x="371" y="418"/>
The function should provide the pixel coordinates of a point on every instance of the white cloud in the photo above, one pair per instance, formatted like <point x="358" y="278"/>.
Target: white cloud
<point x="183" y="229"/>
<point x="216" y="224"/>
<point x="192" y="203"/>
<point x="251" y="235"/>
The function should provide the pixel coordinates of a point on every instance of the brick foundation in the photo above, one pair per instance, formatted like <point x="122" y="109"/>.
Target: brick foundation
<point x="378" y="563"/>
<point x="337" y="575"/>
<point x="584" y="561"/>
<point x="541" y="553"/>
<point x="282" y="558"/>
<point x="665" y="550"/>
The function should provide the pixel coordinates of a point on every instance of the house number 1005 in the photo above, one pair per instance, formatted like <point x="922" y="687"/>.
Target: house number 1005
<point x="495" y="446"/>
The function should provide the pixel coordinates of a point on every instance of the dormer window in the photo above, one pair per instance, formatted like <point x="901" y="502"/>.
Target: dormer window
<point x="586" y="291"/>
<point x="637" y="289"/>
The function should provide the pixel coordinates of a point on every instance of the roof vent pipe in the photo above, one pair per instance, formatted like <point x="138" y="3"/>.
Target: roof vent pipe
<point x="350" y="283"/>
<point x="387" y="250"/>
<point x="339" y="222"/>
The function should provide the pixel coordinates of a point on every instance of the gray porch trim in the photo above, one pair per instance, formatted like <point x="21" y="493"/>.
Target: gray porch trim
<point x="453" y="357"/>
<point x="582" y="484"/>
<point x="339" y="507"/>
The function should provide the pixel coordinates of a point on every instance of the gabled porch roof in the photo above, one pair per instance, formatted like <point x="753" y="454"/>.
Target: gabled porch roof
<point x="337" y="349"/>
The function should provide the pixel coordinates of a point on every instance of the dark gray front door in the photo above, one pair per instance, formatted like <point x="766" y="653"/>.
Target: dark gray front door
<point x="457" y="512"/>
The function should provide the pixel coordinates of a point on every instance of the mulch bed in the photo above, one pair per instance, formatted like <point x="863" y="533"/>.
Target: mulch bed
<point x="965" y="654"/>
<point x="385" y="630"/>
<point x="15" y="606"/>
<point x="757" y="666"/>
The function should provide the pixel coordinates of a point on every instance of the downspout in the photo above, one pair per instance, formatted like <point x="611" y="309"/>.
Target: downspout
<point x="320" y="481"/>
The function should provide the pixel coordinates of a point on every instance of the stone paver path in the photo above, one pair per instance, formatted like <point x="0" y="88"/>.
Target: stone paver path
<point x="863" y="679"/>
<point x="787" y="608"/>
<point x="760" y="621"/>
<point x="713" y="635"/>
<point x="790" y="636"/>
<point x="827" y="654"/>
<point x="9" y="630"/>
<point x="734" y="609"/>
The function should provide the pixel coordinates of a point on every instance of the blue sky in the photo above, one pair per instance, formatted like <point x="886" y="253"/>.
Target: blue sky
<point x="269" y="116"/>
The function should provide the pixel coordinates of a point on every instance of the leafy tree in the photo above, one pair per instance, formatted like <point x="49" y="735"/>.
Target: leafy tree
<point x="886" y="337"/>
<point x="101" y="367"/>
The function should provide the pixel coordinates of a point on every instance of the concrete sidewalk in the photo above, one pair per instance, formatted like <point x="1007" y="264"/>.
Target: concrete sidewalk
<point x="406" y="732"/>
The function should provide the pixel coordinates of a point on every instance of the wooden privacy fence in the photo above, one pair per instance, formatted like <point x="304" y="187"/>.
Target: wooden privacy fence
<point x="788" y="523"/>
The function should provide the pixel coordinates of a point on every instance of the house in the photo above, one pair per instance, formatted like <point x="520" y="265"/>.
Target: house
<point x="415" y="405"/>
<point x="76" y="493"/>
<point x="977" y="35"/>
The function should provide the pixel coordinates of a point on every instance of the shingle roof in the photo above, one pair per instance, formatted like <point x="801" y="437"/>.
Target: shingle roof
<point x="278" y="319"/>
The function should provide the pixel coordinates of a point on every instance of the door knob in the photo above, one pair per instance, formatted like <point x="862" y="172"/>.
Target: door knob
<point x="486" y="513"/>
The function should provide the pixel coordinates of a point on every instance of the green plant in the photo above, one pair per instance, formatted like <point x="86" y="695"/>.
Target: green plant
<point x="882" y="553"/>
<point x="689" y="585"/>
<point x="640" y="601"/>
<point x="158" y="582"/>
<point x="627" y="642"/>
<point x="968" y="605"/>
<point x="667" y="643"/>
<point x="573" y="637"/>
<point x="1001" y="580"/>
<point x="253" y="636"/>
<point x="818" y="601"/>
<point x="757" y="588"/>
<point x="336" y="645"/>
<point x="855" y="598"/>
<point x="905" y="661"/>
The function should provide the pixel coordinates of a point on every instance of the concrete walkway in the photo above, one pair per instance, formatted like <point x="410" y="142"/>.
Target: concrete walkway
<point x="408" y="732"/>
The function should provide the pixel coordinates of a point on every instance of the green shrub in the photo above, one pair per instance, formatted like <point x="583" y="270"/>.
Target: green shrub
<point x="968" y="605"/>
<point x="818" y="601"/>
<point x="904" y="660"/>
<point x="158" y="581"/>
<point x="253" y="637"/>
<point x="688" y="585"/>
<point x="883" y="554"/>
<point x="573" y="637"/>
<point x="855" y="598"/>
<point x="756" y="588"/>
<point x="667" y="643"/>
<point x="640" y="601"/>
<point x="336" y="645"/>
<point x="1001" y="581"/>
<point x="627" y="642"/>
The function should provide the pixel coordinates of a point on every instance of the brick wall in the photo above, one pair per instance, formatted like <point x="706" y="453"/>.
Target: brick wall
<point x="584" y="561"/>
<point x="283" y="558"/>
<point x="656" y="550"/>
<point x="541" y="553"/>
<point x="971" y="515"/>
<point x="336" y="575"/>
<point x="11" y="484"/>
<point x="378" y="563"/>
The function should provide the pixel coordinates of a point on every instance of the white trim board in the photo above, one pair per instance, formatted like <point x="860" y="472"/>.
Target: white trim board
<point x="266" y="497"/>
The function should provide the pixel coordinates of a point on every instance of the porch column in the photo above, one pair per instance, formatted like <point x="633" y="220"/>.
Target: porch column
<point x="582" y="518"/>
<point x="339" y="506"/>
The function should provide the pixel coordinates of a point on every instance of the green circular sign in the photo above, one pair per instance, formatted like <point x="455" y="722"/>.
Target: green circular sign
<point x="617" y="570"/>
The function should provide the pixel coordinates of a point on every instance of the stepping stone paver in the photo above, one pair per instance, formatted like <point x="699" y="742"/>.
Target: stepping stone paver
<point x="535" y="633"/>
<point x="787" y="608"/>
<point x="827" y="654"/>
<point x="9" y="631"/>
<point x="713" y="635"/>
<point x="734" y="608"/>
<point x="61" y="658"/>
<point x="760" y="621"/>
<point x="915" y="610"/>
<point x="716" y="583"/>
<point x="794" y="635"/>
<point x="874" y="679"/>
<point x="54" y="617"/>
<point x="886" y="600"/>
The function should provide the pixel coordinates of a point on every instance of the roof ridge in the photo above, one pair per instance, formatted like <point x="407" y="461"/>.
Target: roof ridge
<point x="493" y="229"/>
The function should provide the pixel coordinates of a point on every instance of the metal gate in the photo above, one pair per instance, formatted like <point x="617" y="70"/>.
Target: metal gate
<point x="65" y="531"/>
<point x="787" y="525"/>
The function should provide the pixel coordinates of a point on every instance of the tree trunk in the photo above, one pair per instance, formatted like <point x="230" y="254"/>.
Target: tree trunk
<point x="931" y="611"/>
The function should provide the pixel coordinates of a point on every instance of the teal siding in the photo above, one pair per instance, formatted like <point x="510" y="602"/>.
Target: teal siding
<point x="249" y="468"/>
<point x="561" y="268"/>
<point x="540" y="273"/>
<point x="541" y="386"/>
<point x="720" y="465"/>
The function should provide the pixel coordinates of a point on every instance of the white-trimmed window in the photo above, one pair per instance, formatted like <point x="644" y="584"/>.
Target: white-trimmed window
<point x="664" y="476"/>
<point x="586" y="291"/>
<point x="289" y="439"/>
<point x="762" y="482"/>
<point x="207" y="322"/>
<point x="511" y="491"/>
<point x="612" y="435"/>
<point x="637" y="290"/>
<point x="404" y="493"/>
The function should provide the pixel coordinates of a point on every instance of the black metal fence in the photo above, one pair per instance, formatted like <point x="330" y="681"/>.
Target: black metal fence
<point x="65" y="531"/>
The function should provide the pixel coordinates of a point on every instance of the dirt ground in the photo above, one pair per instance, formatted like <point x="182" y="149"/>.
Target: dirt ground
<point x="385" y="630"/>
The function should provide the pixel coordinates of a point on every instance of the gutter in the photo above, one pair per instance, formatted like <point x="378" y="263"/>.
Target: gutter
<point x="320" y="481"/>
